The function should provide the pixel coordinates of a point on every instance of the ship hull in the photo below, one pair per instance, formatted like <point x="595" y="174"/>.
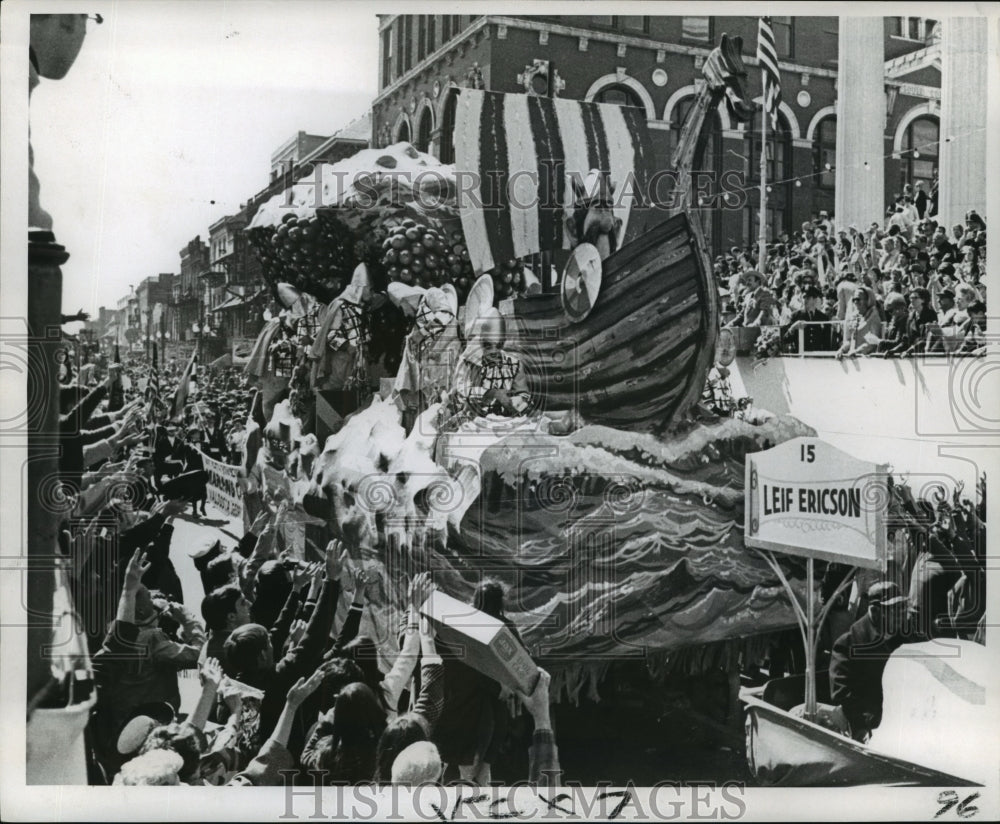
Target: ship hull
<point x="641" y="356"/>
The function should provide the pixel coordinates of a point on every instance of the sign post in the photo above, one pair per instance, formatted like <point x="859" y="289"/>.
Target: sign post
<point x="807" y="498"/>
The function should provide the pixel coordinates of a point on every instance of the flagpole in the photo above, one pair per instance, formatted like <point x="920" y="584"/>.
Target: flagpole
<point x="762" y="238"/>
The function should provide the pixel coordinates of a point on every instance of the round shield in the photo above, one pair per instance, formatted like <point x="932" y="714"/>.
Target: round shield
<point x="725" y="348"/>
<point x="581" y="282"/>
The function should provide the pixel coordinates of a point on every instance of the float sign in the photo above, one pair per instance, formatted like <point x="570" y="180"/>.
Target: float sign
<point x="806" y="497"/>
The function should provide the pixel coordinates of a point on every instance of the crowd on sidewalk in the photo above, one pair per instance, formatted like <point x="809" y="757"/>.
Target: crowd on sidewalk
<point x="288" y="692"/>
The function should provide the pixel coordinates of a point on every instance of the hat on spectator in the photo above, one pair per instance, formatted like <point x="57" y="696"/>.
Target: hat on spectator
<point x="143" y="720"/>
<point x="947" y="293"/>
<point x="972" y="216"/>
<point x="418" y="763"/>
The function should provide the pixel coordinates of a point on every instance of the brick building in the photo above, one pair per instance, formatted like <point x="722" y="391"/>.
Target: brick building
<point x="654" y="63"/>
<point x="187" y="293"/>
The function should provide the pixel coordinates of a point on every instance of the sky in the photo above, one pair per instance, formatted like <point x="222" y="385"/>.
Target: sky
<point x="168" y="119"/>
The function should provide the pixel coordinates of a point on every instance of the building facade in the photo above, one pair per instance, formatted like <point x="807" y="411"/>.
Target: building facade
<point x="154" y="295"/>
<point x="654" y="62"/>
<point x="234" y="282"/>
<point x="188" y="291"/>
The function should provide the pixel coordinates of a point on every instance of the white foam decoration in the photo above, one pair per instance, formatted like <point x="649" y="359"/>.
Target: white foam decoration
<point x="936" y="709"/>
<point x="347" y="178"/>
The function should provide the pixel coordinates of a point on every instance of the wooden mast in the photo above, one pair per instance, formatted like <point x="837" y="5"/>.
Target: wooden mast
<point x="683" y="156"/>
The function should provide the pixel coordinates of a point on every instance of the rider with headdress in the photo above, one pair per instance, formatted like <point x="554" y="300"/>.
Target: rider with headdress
<point x="490" y="380"/>
<point x="338" y="351"/>
<point x="432" y="348"/>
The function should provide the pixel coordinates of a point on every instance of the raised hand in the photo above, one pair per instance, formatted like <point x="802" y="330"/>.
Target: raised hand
<point x="537" y="702"/>
<point x="137" y="567"/>
<point x="336" y="559"/>
<point x="211" y="672"/>
<point x="420" y="590"/>
<point x="302" y="575"/>
<point x="295" y="632"/>
<point x="305" y="687"/>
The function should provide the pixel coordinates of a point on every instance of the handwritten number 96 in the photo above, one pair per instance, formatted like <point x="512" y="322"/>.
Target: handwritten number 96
<point x="949" y="799"/>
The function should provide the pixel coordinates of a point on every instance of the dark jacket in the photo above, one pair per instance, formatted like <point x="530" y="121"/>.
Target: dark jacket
<point x="815" y="338"/>
<point x="301" y="661"/>
<point x="856" y="664"/>
<point x="935" y="573"/>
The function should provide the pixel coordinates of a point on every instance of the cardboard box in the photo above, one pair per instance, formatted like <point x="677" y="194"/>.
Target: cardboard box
<point x="485" y="643"/>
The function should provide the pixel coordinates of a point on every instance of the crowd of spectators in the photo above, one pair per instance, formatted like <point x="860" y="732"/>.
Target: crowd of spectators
<point x="910" y="286"/>
<point x="288" y="693"/>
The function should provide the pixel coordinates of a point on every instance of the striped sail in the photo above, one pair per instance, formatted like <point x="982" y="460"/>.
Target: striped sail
<point x="515" y="156"/>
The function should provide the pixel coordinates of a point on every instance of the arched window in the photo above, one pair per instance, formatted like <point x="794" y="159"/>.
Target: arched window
<point x="919" y="153"/>
<point x="403" y="134"/>
<point x="424" y="131"/>
<point x="447" y="139"/>
<point x="779" y="165"/>
<point x="620" y="95"/>
<point x="825" y="151"/>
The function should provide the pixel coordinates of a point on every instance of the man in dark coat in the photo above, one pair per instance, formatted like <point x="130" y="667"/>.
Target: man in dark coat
<point x="920" y="199"/>
<point x="859" y="657"/>
<point x="168" y="451"/>
<point x="815" y="338"/>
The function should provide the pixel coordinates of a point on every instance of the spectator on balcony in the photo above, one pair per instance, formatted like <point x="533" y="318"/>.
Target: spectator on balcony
<point x="974" y="341"/>
<point x="919" y="321"/>
<point x="762" y="310"/>
<point x="899" y="219"/>
<point x="946" y="335"/>
<point x="894" y="340"/>
<point x="815" y="338"/>
<point x="830" y="303"/>
<point x="920" y="199"/>
<point x="847" y="285"/>
<point x="742" y="285"/>
<point x="863" y="326"/>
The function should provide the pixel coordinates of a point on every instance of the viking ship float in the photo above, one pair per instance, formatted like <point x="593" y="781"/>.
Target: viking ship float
<point x="639" y="357"/>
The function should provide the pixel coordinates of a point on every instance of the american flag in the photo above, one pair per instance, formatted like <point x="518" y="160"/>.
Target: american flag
<point x="767" y="54"/>
<point x="183" y="387"/>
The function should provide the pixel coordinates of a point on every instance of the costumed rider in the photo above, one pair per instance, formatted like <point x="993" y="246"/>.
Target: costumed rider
<point x="301" y="317"/>
<point x="432" y="349"/>
<point x="275" y="353"/>
<point x="339" y="349"/>
<point x="490" y="380"/>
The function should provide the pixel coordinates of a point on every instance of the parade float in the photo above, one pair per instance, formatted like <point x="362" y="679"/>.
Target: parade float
<point x="629" y="521"/>
<point x="613" y="506"/>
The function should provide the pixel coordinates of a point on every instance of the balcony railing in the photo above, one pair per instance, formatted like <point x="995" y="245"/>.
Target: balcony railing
<point x="813" y="339"/>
